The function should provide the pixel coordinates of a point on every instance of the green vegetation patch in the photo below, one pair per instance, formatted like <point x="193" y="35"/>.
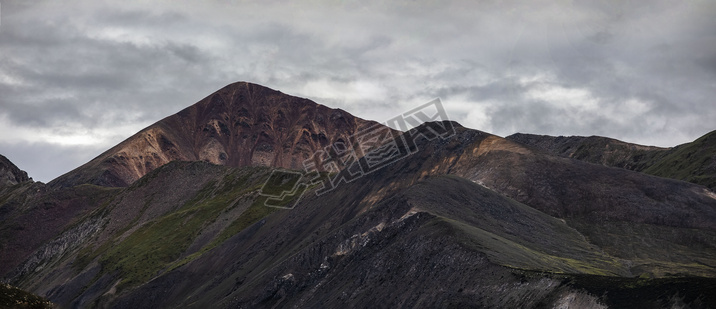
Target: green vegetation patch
<point x="660" y="251"/>
<point x="508" y="253"/>
<point x="157" y="244"/>
<point x="253" y="214"/>
<point x="694" y="162"/>
<point x="257" y="211"/>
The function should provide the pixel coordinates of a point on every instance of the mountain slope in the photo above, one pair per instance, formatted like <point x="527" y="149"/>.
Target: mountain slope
<point x="402" y="251"/>
<point x="558" y="186"/>
<point x="12" y="297"/>
<point x="32" y="214"/>
<point x="605" y="204"/>
<point x="242" y="124"/>
<point x="197" y="265"/>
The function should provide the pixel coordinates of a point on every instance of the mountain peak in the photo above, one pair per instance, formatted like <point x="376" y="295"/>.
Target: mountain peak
<point x="449" y="123"/>
<point x="241" y="124"/>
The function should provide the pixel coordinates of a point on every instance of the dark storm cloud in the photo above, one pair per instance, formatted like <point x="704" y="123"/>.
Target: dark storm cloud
<point x="79" y="76"/>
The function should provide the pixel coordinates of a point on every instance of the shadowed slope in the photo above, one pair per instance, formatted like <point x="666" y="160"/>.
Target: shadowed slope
<point x="12" y="297"/>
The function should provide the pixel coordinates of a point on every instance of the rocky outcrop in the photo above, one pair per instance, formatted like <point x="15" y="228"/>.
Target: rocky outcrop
<point x="52" y="251"/>
<point x="11" y="174"/>
<point x="31" y="215"/>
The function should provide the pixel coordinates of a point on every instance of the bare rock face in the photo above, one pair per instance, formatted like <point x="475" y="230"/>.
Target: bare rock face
<point x="242" y="124"/>
<point x="11" y="174"/>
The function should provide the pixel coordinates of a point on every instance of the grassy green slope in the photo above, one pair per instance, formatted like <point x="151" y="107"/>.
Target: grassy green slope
<point x="160" y="243"/>
<point x="693" y="162"/>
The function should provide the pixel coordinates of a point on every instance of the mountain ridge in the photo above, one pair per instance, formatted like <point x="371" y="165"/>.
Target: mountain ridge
<point x="693" y="161"/>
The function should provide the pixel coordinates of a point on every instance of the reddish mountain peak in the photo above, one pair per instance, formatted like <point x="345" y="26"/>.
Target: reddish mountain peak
<point x="239" y="125"/>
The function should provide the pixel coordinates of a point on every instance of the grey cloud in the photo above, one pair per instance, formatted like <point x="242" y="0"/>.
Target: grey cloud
<point x="71" y="72"/>
<point x="103" y="65"/>
<point x="44" y="161"/>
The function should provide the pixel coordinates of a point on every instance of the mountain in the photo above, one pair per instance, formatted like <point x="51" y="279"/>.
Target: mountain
<point x="11" y="174"/>
<point x="437" y="216"/>
<point x="242" y="124"/>
<point x="693" y="162"/>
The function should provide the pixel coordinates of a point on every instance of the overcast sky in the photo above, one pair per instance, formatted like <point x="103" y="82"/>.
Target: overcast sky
<point x="77" y="77"/>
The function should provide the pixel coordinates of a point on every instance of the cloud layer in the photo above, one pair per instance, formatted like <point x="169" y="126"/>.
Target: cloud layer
<point x="77" y="77"/>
